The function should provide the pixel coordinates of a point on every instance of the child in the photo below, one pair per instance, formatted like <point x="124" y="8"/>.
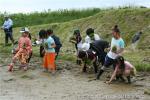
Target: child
<point x="23" y="50"/>
<point x="123" y="68"/>
<point x="49" y="56"/>
<point x="42" y="38"/>
<point x="77" y="40"/>
<point x="56" y="40"/>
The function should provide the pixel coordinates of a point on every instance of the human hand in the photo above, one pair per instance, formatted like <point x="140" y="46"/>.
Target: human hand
<point x="108" y="82"/>
<point x="106" y="49"/>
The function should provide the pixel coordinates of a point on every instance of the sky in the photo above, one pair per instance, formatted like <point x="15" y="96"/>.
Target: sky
<point x="26" y="6"/>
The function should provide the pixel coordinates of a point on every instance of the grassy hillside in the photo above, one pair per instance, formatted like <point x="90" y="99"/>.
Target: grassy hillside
<point x="47" y="17"/>
<point x="130" y="20"/>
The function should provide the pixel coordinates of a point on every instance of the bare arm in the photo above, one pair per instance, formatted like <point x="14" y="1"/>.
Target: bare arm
<point x="53" y="45"/>
<point x="113" y="75"/>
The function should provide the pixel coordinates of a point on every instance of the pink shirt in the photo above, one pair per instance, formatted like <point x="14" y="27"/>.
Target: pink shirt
<point x="27" y="42"/>
<point x="128" y="66"/>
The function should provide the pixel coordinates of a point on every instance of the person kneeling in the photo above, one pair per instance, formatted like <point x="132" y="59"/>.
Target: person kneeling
<point x="123" y="68"/>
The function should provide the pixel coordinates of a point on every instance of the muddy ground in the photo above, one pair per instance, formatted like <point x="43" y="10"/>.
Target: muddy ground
<point x="69" y="83"/>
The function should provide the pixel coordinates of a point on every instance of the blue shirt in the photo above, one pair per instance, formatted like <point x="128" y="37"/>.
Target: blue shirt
<point x="119" y="43"/>
<point x="50" y="41"/>
<point x="7" y="24"/>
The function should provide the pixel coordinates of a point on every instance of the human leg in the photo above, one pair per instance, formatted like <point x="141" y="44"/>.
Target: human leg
<point x="107" y="63"/>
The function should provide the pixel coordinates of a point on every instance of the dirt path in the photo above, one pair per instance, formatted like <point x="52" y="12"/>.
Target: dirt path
<point x="67" y="84"/>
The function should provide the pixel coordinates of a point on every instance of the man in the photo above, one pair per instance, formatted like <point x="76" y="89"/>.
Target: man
<point x="7" y="27"/>
<point x="91" y="36"/>
<point x="136" y="39"/>
<point x="57" y="41"/>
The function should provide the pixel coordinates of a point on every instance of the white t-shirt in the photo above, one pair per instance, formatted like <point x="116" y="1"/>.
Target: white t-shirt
<point x="79" y="45"/>
<point x="88" y="39"/>
<point x="119" y="43"/>
<point x="85" y="46"/>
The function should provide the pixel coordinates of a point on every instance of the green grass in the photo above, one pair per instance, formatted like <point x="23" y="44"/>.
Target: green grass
<point x="140" y="59"/>
<point x="46" y="17"/>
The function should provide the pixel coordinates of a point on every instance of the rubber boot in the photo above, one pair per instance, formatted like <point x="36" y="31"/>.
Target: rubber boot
<point x="129" y="79"/>
<point x="99" y="74"/>
<point x="121" y="78"/>
<point x="84" y="68"/>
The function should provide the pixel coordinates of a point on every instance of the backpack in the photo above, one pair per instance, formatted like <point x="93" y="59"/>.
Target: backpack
<point x="57" y="42"/>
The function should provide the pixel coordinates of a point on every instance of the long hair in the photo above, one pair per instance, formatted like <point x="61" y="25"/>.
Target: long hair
<point x="120" y="60"/>
<point x="78" y="35"/>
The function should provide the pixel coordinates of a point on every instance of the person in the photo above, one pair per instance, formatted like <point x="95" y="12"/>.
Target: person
<point x="123" y="68"/>
<point x="100" y="46"/>
<point x="94" y="53"/>
<point x="135" y="39"/>
<point x="57" y="41"/>
<point x="7" y="27"/>
<point x="23" y="51"/>
<point x="76" y="39"/>
<point x="88" y="57"/>
<point x="91" y="36"/>
<point x="30" y="37"/>
<point x="116" y="49"/>
<point x="40" y="41"/>
<point x="49" y="56"/>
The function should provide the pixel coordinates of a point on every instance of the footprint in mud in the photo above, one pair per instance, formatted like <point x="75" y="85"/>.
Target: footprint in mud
<point x="27" y="77"/>
<point x="9" y="80"/>
<point x="147" y="91"/>
<point x="138" y="85"/>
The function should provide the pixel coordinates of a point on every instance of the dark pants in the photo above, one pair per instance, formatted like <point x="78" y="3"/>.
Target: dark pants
<point x="7" y="36"/>
<point x="57" y="52"/>
<point x="41" y="51"/>
<point x="108" y="62"/>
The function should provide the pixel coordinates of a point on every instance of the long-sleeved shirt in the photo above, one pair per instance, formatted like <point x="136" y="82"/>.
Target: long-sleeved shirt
<point x="7" y="24"/>
<point x="24" y="43"/>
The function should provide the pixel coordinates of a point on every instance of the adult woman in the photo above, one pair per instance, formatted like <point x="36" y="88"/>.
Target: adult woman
<point x="116" y="42"/>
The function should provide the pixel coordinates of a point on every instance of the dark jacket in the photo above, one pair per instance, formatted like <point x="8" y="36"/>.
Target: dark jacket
<point x="57" y="42"/>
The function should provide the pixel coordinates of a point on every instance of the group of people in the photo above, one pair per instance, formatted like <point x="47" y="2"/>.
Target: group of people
<point x="49" y="49"/>
<point x="94" y="47"/>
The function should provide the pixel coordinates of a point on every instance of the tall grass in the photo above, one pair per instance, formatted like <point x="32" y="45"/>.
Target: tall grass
<point x="46" y="17"/>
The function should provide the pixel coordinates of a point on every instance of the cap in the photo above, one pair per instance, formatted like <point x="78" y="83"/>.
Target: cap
<point x="24" y="29"/>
